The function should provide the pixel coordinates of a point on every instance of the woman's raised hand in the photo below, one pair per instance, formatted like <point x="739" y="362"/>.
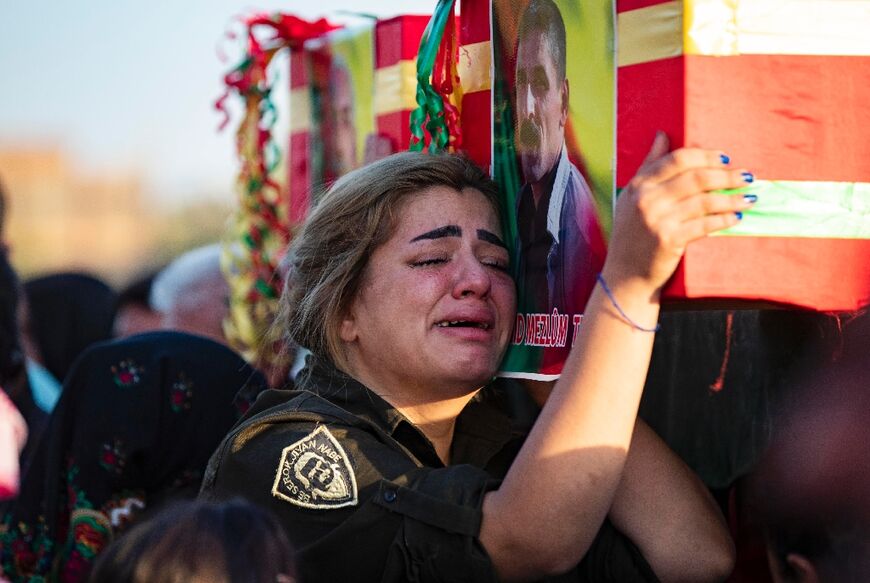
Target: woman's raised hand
<point x="668" y="204"/>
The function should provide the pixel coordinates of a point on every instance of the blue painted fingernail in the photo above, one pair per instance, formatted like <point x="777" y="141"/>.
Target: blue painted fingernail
<point x="750" y="197"/>
<point x="748" y="177"/>
<point x="725" y="159"/>
<point x="739" y="215"/>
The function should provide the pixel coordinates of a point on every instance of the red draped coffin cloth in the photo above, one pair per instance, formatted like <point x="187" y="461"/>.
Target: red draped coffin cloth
<point x="475" y="70"/>
<point x="784" y="89"/>
<point x="396" y="43"/>
<point x="346" y="87"/>
<point x="298" y="166"/>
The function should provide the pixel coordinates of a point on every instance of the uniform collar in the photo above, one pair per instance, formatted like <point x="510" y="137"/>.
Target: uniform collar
<point x="481" y="431"/>
<point x="322" y="377"/>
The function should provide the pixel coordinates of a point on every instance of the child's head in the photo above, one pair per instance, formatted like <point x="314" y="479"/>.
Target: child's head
<point x="196" y="541"/>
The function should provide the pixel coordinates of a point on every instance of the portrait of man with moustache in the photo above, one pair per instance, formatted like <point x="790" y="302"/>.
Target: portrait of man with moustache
<point x="561" y="245"/>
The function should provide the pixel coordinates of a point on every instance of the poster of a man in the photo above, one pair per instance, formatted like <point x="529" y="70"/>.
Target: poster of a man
<point x="561" y="245"/>
<point x="342" y="87"/>
<point x="559" y="92"/>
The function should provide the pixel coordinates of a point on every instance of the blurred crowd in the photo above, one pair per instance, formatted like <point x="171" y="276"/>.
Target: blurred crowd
<point x="104" y="461"/>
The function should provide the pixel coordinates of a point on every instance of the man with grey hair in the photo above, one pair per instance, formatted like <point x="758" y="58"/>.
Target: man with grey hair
<point x="192" y="295"/>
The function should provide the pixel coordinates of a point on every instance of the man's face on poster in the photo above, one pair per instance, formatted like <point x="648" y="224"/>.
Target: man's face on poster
<point x="542" y="106"/>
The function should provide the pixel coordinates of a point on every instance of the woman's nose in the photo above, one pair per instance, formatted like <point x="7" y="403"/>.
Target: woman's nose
<point x="472" y="279"/>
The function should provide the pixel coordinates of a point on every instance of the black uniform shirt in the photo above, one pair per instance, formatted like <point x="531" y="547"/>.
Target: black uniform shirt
<point x="363" y="495"/>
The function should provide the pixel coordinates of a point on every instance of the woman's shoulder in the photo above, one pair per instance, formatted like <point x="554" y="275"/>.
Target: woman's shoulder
<point x="286" y="439"/>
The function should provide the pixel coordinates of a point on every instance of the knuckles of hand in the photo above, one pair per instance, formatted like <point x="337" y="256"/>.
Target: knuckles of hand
<point x="678" y="158"/>
<point x="664" y="239"/>
<point x="708" y="204"/>
<point x="699" y="179"/>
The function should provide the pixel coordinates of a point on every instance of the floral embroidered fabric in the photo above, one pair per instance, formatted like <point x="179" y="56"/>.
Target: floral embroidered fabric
<point x="135" y="426"/>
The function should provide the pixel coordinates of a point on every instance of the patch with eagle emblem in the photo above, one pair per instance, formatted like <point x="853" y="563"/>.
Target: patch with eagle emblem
<point x="315" y="472"/>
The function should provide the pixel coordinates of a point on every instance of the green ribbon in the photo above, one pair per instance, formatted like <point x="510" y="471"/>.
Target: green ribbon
<point x="505" y="170"/>
<point x="430" y="105"/>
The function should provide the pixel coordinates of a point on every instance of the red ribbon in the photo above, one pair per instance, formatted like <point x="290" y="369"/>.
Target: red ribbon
<point x="444" y="76"/>
<point x="288" y="31"/>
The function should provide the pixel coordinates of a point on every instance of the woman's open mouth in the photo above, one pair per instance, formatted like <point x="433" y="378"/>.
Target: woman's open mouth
<point x="463" y="324"/>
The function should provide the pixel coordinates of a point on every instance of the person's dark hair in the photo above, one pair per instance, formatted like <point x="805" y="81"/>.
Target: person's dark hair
<point x="810" y="490"/>
<point x="230" y="542"/>
<point x="138" y="291"/>
<point x="837" y="548"/>
<point x="67" y="313"/>
<point x="544" y="17"/>
<point x="356" y="216"/>
<point x="3" y="203"/>
<point x="11" y="354"/>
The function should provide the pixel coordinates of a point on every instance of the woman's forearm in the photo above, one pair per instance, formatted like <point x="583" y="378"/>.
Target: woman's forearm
<point x="665" y="509"/>
<point x="560" y="488"/>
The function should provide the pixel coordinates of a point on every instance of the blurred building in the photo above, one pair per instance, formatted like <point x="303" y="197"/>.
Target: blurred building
<point x="61" y="218"/>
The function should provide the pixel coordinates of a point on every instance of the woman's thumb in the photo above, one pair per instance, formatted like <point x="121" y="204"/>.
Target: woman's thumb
<point x="659" y="148"/>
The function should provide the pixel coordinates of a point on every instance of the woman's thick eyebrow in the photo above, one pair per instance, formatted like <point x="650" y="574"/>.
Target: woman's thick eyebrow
<point x="445" y="231"/>
<point x="455" y="231"/>
<point x="485" y="235"/>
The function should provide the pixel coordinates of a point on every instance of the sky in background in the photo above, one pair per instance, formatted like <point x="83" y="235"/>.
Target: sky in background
<point x="129" y="85"/>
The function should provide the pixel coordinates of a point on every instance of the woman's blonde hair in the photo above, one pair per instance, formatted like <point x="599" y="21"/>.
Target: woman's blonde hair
<point x="358" y="214"/>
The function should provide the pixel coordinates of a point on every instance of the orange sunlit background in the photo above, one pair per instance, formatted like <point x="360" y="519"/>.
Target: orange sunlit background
<point x="62" y="217"/>
<point x="110" y="156"/>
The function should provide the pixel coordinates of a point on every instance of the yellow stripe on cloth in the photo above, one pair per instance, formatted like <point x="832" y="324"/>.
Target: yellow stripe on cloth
<point x="650" y="34"/>
<point x="777" y="27"/>
<point x="743" y="27"/>
<point x="395" y="87"/>
<point x="300" y="110"/>
<point x="475" y="67"/>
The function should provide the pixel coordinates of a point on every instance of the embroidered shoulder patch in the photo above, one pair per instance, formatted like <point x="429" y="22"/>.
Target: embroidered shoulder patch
<point x="315" y="472"/>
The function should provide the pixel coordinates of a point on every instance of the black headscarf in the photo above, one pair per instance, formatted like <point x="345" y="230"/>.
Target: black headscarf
<point x="134" y="427"/>
<point x="138" y="291"/>
<point x="68" y="312"/>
